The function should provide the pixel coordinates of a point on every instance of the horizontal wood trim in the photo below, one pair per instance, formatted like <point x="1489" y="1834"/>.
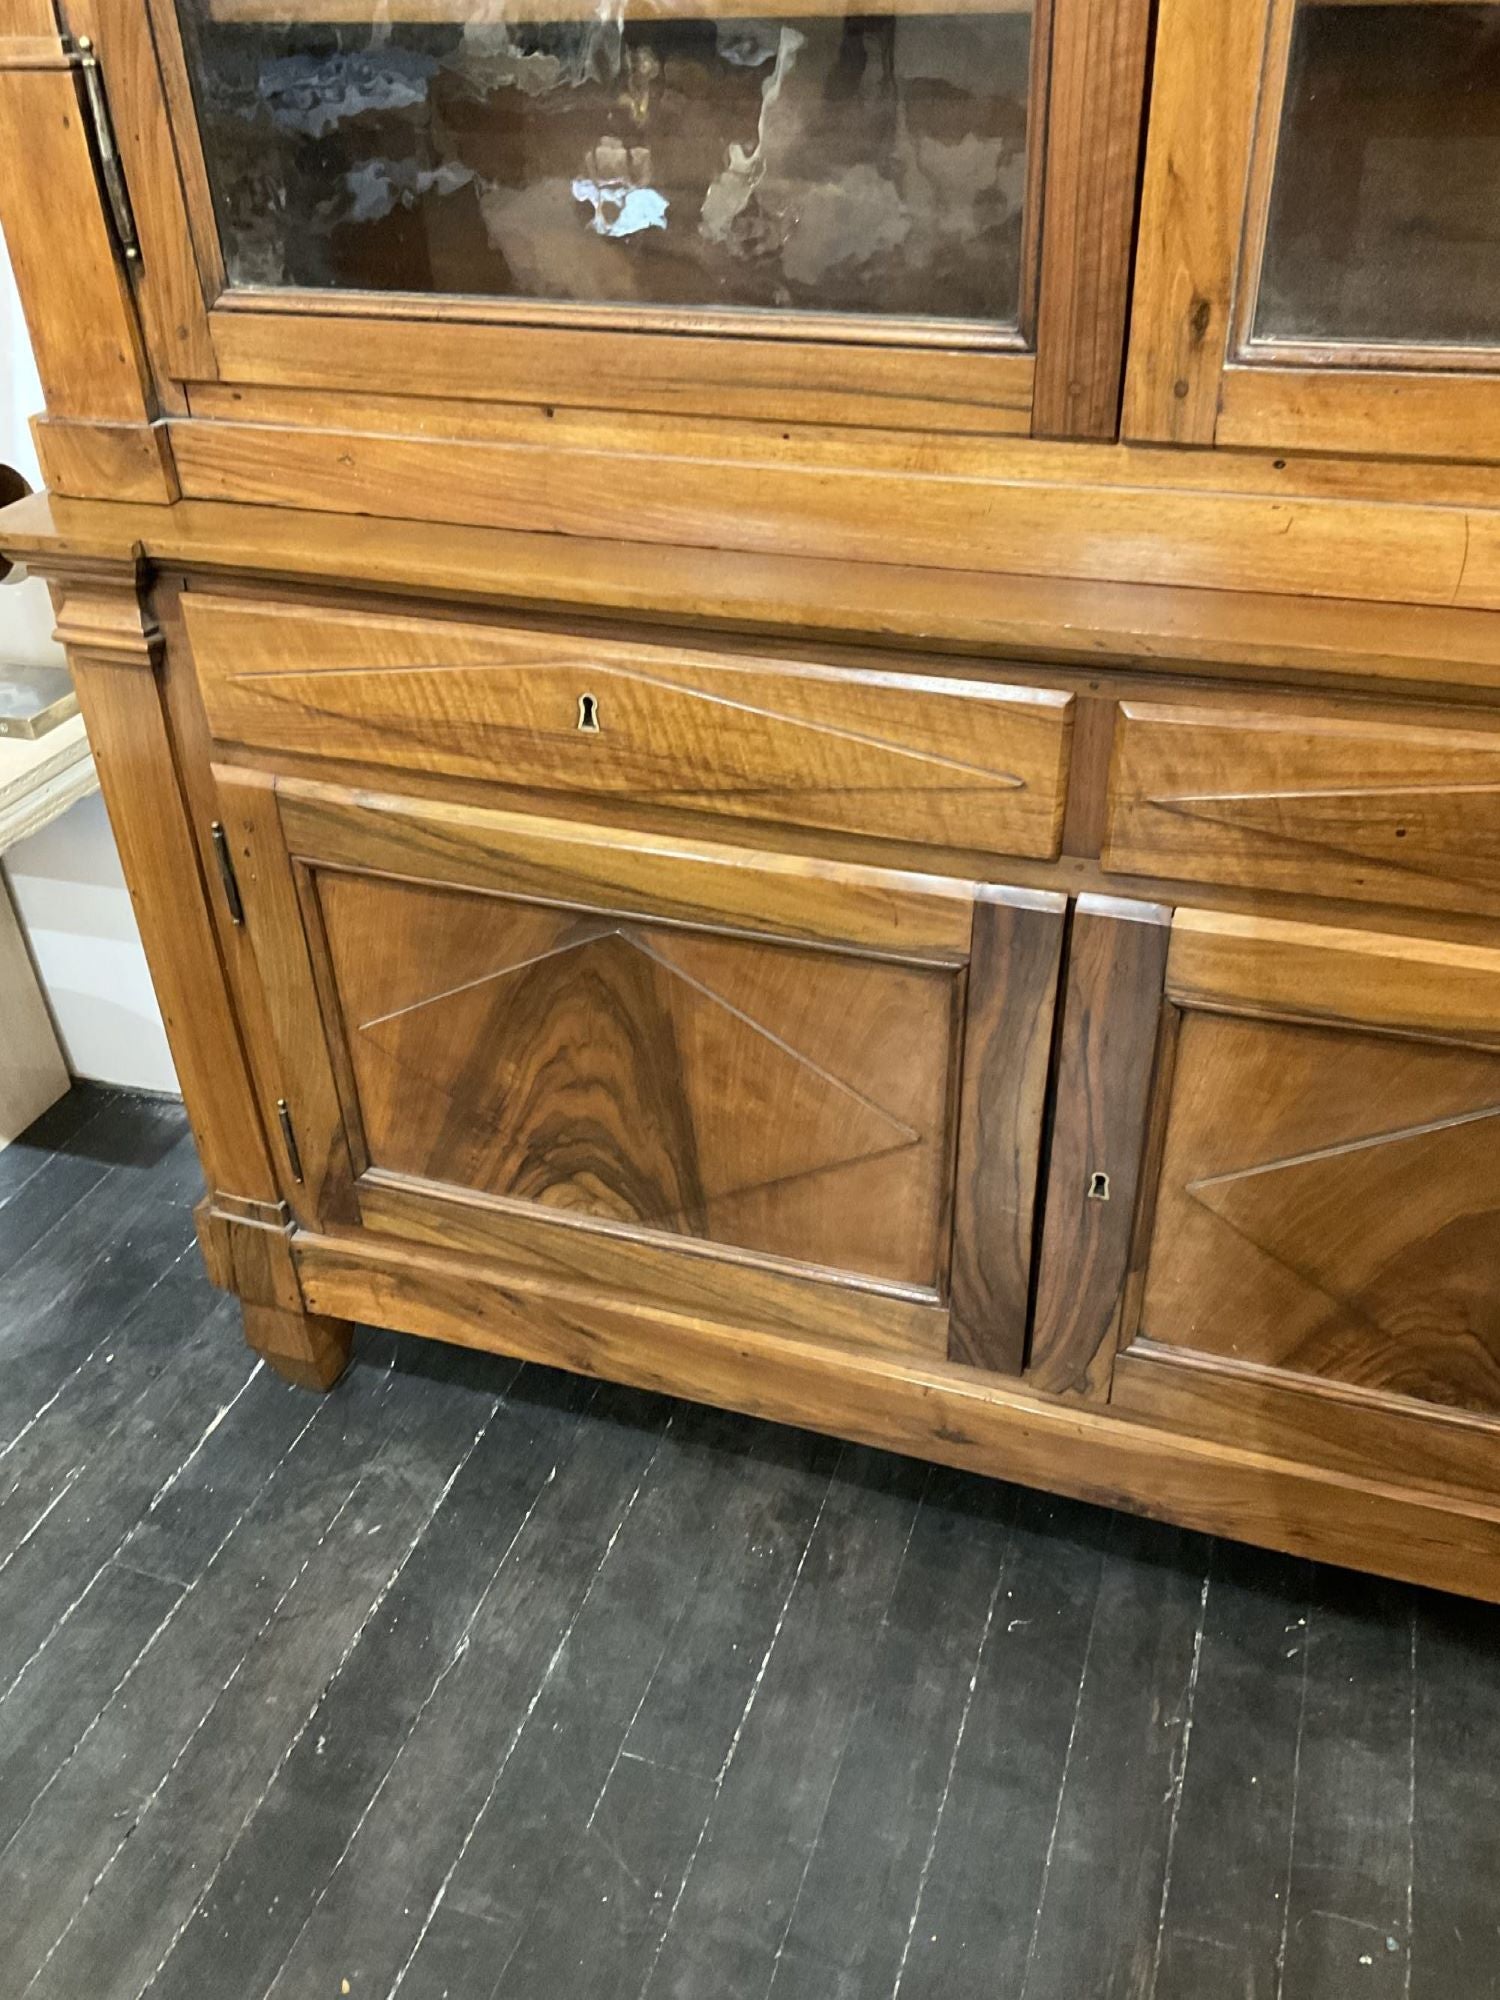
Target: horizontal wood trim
<point x="127" y="461"/>
<point x="1040" y="617"/>
<point x="920" y="919"/>
<point x="1397" y="415"/>
<point x="1362" y="806"/>
<point x="1321" y="1422"/>
<point x="718" y="1284"/>
<point x="1083" y="469"/>
<point x="933" y="1410"/>
<point x="827" y="381"/>
<point x="1305" y="972"/>
<point x="958" y="762"/>
<point x="798" y="505"/>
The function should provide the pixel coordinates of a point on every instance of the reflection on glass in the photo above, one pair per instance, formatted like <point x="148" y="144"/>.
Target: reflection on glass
<point x="870" y="163"/>
<point x="1385" y="208"/>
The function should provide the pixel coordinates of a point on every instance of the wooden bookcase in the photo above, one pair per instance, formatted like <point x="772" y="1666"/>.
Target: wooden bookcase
<point x="820" y="726"/>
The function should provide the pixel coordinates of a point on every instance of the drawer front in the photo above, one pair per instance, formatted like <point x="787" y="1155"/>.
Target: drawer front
<point x="1316" y="803"/>
<point x="964" y="764"/>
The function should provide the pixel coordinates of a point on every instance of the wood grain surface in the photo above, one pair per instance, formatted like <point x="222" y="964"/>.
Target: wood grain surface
<point x="769" y="1098"/>
<point x="959" y="763"/>
<point x="1111" y="1026"/>
<point x="1370" y="807"/>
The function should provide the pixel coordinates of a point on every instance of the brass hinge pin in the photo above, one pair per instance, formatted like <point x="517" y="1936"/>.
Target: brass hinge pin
<point x="289" y="1139"/>
<point x="227" y="876"/>
<point x="106" y="151"/>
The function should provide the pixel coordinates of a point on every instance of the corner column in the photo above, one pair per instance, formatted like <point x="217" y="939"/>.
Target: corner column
<point x="115" y="650"/>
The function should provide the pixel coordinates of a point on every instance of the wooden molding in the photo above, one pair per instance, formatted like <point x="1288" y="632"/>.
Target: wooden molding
<point x="126" y="461"/>
<point x="1203" y="100"/>
<point x="1007" y="614"/>
<point x="115" y="648"/>
<point x="1107" y="1056"/>
<point x="940" y="507"/>
<point x="77" y="300"/>
<point x="102" y="618"/>
<point x="247" y="1247"/>
<point x="933" y="1409"/>
<point x="1095" y="116"/>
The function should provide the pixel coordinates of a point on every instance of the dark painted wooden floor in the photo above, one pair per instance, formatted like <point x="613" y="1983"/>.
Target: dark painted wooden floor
<point x="478" y="1681"/>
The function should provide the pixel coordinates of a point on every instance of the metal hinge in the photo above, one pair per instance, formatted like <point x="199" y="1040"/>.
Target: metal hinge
<point x="227" y="875"/>
<point x="82" y="54"/>
<point x="289" y="1139"/>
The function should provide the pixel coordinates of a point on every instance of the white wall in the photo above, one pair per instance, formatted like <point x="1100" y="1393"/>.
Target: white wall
<point x="66" y="880"/>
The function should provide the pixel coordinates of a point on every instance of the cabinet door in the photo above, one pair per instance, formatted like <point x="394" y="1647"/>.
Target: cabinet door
<point x="919" y="217"/>
<point x="1326" y="1165"/>
<point x="757" y="1089"/>
<point x="1320" y="242"/>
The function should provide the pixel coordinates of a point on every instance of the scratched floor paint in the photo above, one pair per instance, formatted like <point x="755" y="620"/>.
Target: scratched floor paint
<point x="479" y="1681"/>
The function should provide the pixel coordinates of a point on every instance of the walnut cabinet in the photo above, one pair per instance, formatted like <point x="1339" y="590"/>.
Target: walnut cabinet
<point x="806" y="709"/>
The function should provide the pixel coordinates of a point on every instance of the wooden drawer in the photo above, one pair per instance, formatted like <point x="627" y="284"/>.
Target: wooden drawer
<point x="1314" y="800"/>
<point x="955" y="763"/>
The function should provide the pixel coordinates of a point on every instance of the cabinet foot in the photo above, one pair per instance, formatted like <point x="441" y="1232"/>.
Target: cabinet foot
<point x="304" y="1348"/>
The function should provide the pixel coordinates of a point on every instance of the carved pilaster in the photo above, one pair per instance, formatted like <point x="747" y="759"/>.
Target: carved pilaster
<point x="115" y="649"/>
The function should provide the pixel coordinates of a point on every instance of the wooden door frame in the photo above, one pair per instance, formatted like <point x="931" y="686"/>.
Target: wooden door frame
<point x="1002" y="946"/>
<point x="1059" y="375"/>
<point x="1194" y="375"/>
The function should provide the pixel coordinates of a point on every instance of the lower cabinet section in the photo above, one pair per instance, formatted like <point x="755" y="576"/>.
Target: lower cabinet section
<point x="1191" y="1211"/>
<point x="778" y="1093"/>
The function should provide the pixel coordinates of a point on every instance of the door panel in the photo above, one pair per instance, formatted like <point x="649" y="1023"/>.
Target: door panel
<point x="751" y="1094"/>
<point x="599" y="1059"/>
<point x="1328" y="1202"/>
<point x="1319" y="230"/>
<point x="916" y="219"/>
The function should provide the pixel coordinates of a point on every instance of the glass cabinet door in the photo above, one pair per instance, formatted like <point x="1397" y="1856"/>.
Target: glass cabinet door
<point x="916" y="217"/>
<point x="1383" y="226"/>
<point x="655" y="157"/>
<point x="1347" y="263"/>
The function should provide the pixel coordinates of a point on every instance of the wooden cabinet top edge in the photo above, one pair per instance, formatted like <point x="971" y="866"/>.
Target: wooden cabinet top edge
<point x="1005" y="615"/>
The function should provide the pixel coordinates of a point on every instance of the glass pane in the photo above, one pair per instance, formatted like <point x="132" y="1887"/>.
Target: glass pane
<point x="1385" y="207"/>
<point x="647" y="153"/>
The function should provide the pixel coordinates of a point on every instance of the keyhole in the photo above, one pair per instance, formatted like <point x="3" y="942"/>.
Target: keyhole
<point x="588" y="714"/>
<point x="1098" y="1187"/>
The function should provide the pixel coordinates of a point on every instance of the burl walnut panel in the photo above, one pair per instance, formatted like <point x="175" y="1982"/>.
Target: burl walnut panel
<point x="770" y="1097"/>
<point x="966" y="764"/>
<point x="1329" y="1204"/>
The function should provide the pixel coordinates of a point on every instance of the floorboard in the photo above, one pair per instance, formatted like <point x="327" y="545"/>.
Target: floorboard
<point x="477" y="1682"/>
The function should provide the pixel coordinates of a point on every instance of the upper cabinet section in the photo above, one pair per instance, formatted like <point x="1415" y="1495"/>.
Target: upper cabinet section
<point x="916" y="218"/>
<point x="1319" y="261"/>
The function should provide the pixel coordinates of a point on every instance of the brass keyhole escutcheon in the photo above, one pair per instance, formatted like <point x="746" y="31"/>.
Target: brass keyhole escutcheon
<point x="588" y="714"/>
<point x="1098" y="1187"/>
